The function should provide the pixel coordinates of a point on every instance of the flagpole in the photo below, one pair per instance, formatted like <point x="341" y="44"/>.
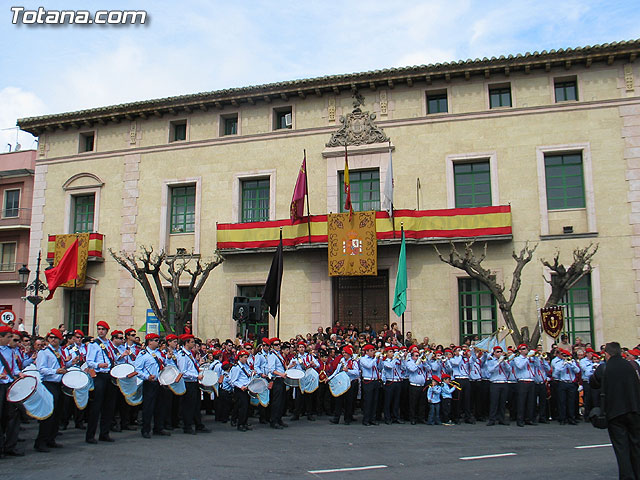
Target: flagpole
<point x="278" y="324"/>
<point x="306" y="189"/>
<point x="401" y="233"/>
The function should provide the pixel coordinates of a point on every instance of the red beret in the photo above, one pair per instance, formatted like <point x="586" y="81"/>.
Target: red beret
<point x="447" y="350"/>
<point x="436" y="378"/>
<point x="116" y="332"/>
<point x="590" y="350"/>
<point x="5" y="329"/>
<point x="445" y="375"/>
<point x="348" y="349"/>
<point x="225" y="363"/>
<point x="522" y="345"/>
<point x="104" y="324"/>
<point x="388" y="349"/>
<point x="395" y="348"/>
<point x="266" y="341"/>
<point x="496" y="348"/>
<point x="302" y="342"/>
<point x="274" y="339"/>
<point x="129" y="330"/>
<point x="78" y="332"/>
<point x="151" y="336"/>
<point x="403" y="348"/>
<point x="248" y="345"/>
<point x="56" y="333"/>
<point x="216" y="352"/>
<point x="368" y="347"/>
<point x="171" y="336"/>
<point x="634" y="351"/>
<point x="243" y="353"/>
<point x="413" y="347"/>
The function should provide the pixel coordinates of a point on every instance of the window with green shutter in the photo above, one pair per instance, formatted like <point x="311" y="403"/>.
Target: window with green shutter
<point x="578" y="311"/>
<point x="78" y="302"/>
<point x="255" y="200"/>
<point x="83" y="213"/>
<point x="365" y="190"/>
<point x="565" y="181"/>
<point x="477" y="306"/>
<point x="183" y="209"/>
<point x="472" y="184"/>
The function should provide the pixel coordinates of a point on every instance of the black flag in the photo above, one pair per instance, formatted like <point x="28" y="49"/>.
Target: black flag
<point x="271" y="293"/>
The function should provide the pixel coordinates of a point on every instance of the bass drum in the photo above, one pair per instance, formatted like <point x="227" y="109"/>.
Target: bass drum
<point x="310" y="382"/>
<point x="339" y="384"/>
<point x="33" y="395"/>
<point x="293" y="377"/>
<point x="170" y="377"/>
<point x="74" y="379"/>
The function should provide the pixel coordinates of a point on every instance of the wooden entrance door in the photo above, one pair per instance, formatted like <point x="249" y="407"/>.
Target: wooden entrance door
<point x="362" y="300"/>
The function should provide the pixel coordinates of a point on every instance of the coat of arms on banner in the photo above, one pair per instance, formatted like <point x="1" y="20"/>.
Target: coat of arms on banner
<point x="62" y="244"/>
<point x="353" y="247"/>
<point x="552" y="320"/>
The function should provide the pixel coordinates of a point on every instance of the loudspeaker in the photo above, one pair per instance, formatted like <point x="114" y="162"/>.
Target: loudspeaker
<point x="240" y="309"/>
<point x="255" y="310"/>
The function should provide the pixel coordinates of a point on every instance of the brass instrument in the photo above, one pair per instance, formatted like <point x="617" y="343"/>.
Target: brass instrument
<point x="456" y="385"/>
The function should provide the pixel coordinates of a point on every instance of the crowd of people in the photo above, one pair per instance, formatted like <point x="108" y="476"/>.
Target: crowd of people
<point x="392" y="378"/>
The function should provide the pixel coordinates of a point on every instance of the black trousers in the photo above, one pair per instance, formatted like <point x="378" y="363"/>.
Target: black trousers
<point x="512" y="400"/>
<point x="302" y="403"/>
<point x="404" y="399"/>
<point x="122" y="408"/>
<point x="241" y="398"/>
<point x="224" y="404"/>
<point x="345" y="403"/>
<point x="624" y="432"/>
<point x="526" y="402"/>
<point x="370" y="390"/>
<point x="417" y="403"/>
<point x="392" y="400"/>
<point x="277" y="400"/>
<point x="48" y="428"/>
<point x="566" y="401"/>
<point x="497" y="401"/>
<point x="101" y="405"/>
<point x="464" y="400"/>
<point x="324" y="399"/>
<point x="9" y="421"/>
<point x="541" y="397"/>
<point x="484" y="390"/>
<point x="152" y="408"/>
<point x="190" y="404"/>
<point x="587" y="397"/>
<point x="445" y="410"/>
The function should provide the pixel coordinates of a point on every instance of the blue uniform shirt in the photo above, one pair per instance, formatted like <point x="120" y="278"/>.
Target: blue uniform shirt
<point x="447" y="391"/>
<point x="352" y="367"/>
<point x="433" y="394"/>
<point x="240" y="375"/>
<point x="100" y="351"/>
<point x="391" y="370"/>
<point x="418" y="372"/>
<point x="148" y="363"/>
<point x="187" y="365"/>
<point x="498" y="371"/>
<point x="8" y="355"/>
<point x="48" y="362"/>
<point x="524" y="367"/>
<point x="370" y="367"/>
<point x="275" y="363"/>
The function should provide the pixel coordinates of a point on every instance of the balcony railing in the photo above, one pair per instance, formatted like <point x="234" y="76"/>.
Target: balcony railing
<point x="22" y="219"/>
<point x="95" y="248"/>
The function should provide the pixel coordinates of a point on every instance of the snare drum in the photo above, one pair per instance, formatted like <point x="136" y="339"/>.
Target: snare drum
<point x="310" y="382"/>
<point x="256" y="386"/>
<point x="33" y="395"/>
<point x="32" y="371"/>
<point x="121" y="371"/>
<point x="293" y="376"/>
<point x="170" y="377"/>
<point x="339" y="384"/>
<point x="74" y="379"/>
<point x="209" y="382"/>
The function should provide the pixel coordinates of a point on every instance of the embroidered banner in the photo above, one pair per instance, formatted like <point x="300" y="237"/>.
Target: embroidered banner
<point x="63" y="242"/>
<point x="353" y="247"/>
<point x="552" y="320"/>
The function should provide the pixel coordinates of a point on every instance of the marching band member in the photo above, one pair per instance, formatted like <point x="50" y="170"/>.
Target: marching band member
<point x="524" y="366"/>
<point x="302" y="401"/>
<point x="9" y="413"/>
<point x="418" y="375"/>
<point x="239" y="377"/>
<point x="461" y="371"/>
<point x="225" y="394"/>
<point x="541" y="377"/>
<point x="565" y="370"/>
<point x="325" y="369"/>
<point x="498" y="371"/>
<point x="276" y="368"/>
<point x="170" y="400"/>
<point x="585" y="362"/>
<point x="478" y="400"/>
<point x="370" y="367"/>
<point x="148" y="365"/>
<point x="433" y="396"/>
<point x="100" y="360"/>
<point x="190" y="370"/>
<point x="52" y="366"/>
<point x="391" y="378"/>
<point x="121" y="406"/>
<point x="345" y="402"/>
<point x="446" y="395"/>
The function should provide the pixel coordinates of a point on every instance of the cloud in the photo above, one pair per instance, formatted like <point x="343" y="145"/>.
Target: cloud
<point x="17" y="103"/>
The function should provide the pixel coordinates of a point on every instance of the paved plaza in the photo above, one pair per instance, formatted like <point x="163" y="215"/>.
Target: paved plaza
<point x="312" y="449"/>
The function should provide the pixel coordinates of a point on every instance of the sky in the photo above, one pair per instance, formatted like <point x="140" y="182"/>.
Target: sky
<point x="192" y="46"/>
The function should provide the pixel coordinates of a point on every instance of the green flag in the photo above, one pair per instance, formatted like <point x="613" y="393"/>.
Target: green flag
<point x="400" y="295"/>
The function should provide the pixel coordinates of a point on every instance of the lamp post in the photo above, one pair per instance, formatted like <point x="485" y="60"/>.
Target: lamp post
<point x="35" y="290"/>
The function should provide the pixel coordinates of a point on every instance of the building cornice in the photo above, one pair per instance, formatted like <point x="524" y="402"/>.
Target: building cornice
<point x="335" y="84"/>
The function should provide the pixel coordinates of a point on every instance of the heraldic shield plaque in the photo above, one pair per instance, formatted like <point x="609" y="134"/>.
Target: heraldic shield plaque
<point x="353" y="246"/>
<point x="552" y="320"/>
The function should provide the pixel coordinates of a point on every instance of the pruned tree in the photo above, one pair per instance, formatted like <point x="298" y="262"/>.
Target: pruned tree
<point x="472" y="265"/>
<point x="153" y="271"/>
<point x="563" y="278"/>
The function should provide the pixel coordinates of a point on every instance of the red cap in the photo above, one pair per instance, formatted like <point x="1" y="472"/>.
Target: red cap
<point x="243" y="353"/>
<point x="388" y="349"/>
<point x="216" y="352"/>
<point x="496" y="348"/>
<point x="522" y="345"/>
<point x="56" y="333"/>
<point x="447" y="350"/>
<point x="368" y="346"/>
<point x="436" y="378"/>
<point x="634" y="351"/>
<point x="248" y="345"/>
<point x="301" y="342"/>
<point x="445" y="375"/>
<point x="413" y="347"/>
<point x="116" y="332"/>
<point x="274" y="339"/>
<point x="78" y="332"/>
<point x="225" y="363"/>
<point x="266" y="341"/>
<point x="5" y="329"/>
<point x="564" y="352"/>
<point x="403" y="348"/>
<point x="129" y="330"/>
<point x="171" y="336"/>
<point x="590" y="350"/>
<point x="348" y="349"/>
<point x="151" y="336"/>
<point x="104" y="324"/>
<point x="395" y="348"/>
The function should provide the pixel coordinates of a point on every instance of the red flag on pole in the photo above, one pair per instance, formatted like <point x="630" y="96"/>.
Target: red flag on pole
<point x="297" y="202"/>
<point x="347" y="186"/>
<point x="67" y="269"/>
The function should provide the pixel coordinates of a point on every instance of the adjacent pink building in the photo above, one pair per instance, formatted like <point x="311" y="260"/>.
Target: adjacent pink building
<point x="16" y="196"/>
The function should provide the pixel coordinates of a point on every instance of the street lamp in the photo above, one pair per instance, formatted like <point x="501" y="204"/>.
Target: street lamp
<point x="35" y="290"/>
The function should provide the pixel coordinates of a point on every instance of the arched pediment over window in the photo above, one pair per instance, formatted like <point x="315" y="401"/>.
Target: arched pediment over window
<point x="83" y="180"/>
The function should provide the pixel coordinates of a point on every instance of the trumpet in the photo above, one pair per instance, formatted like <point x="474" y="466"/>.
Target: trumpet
<point x="456" y="385"/>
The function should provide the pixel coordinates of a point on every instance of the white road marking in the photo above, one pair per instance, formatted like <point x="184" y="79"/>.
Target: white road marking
<point x="495" y="455"/>
<point x="593" y="446"/>
<point x="348" y="469"/>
